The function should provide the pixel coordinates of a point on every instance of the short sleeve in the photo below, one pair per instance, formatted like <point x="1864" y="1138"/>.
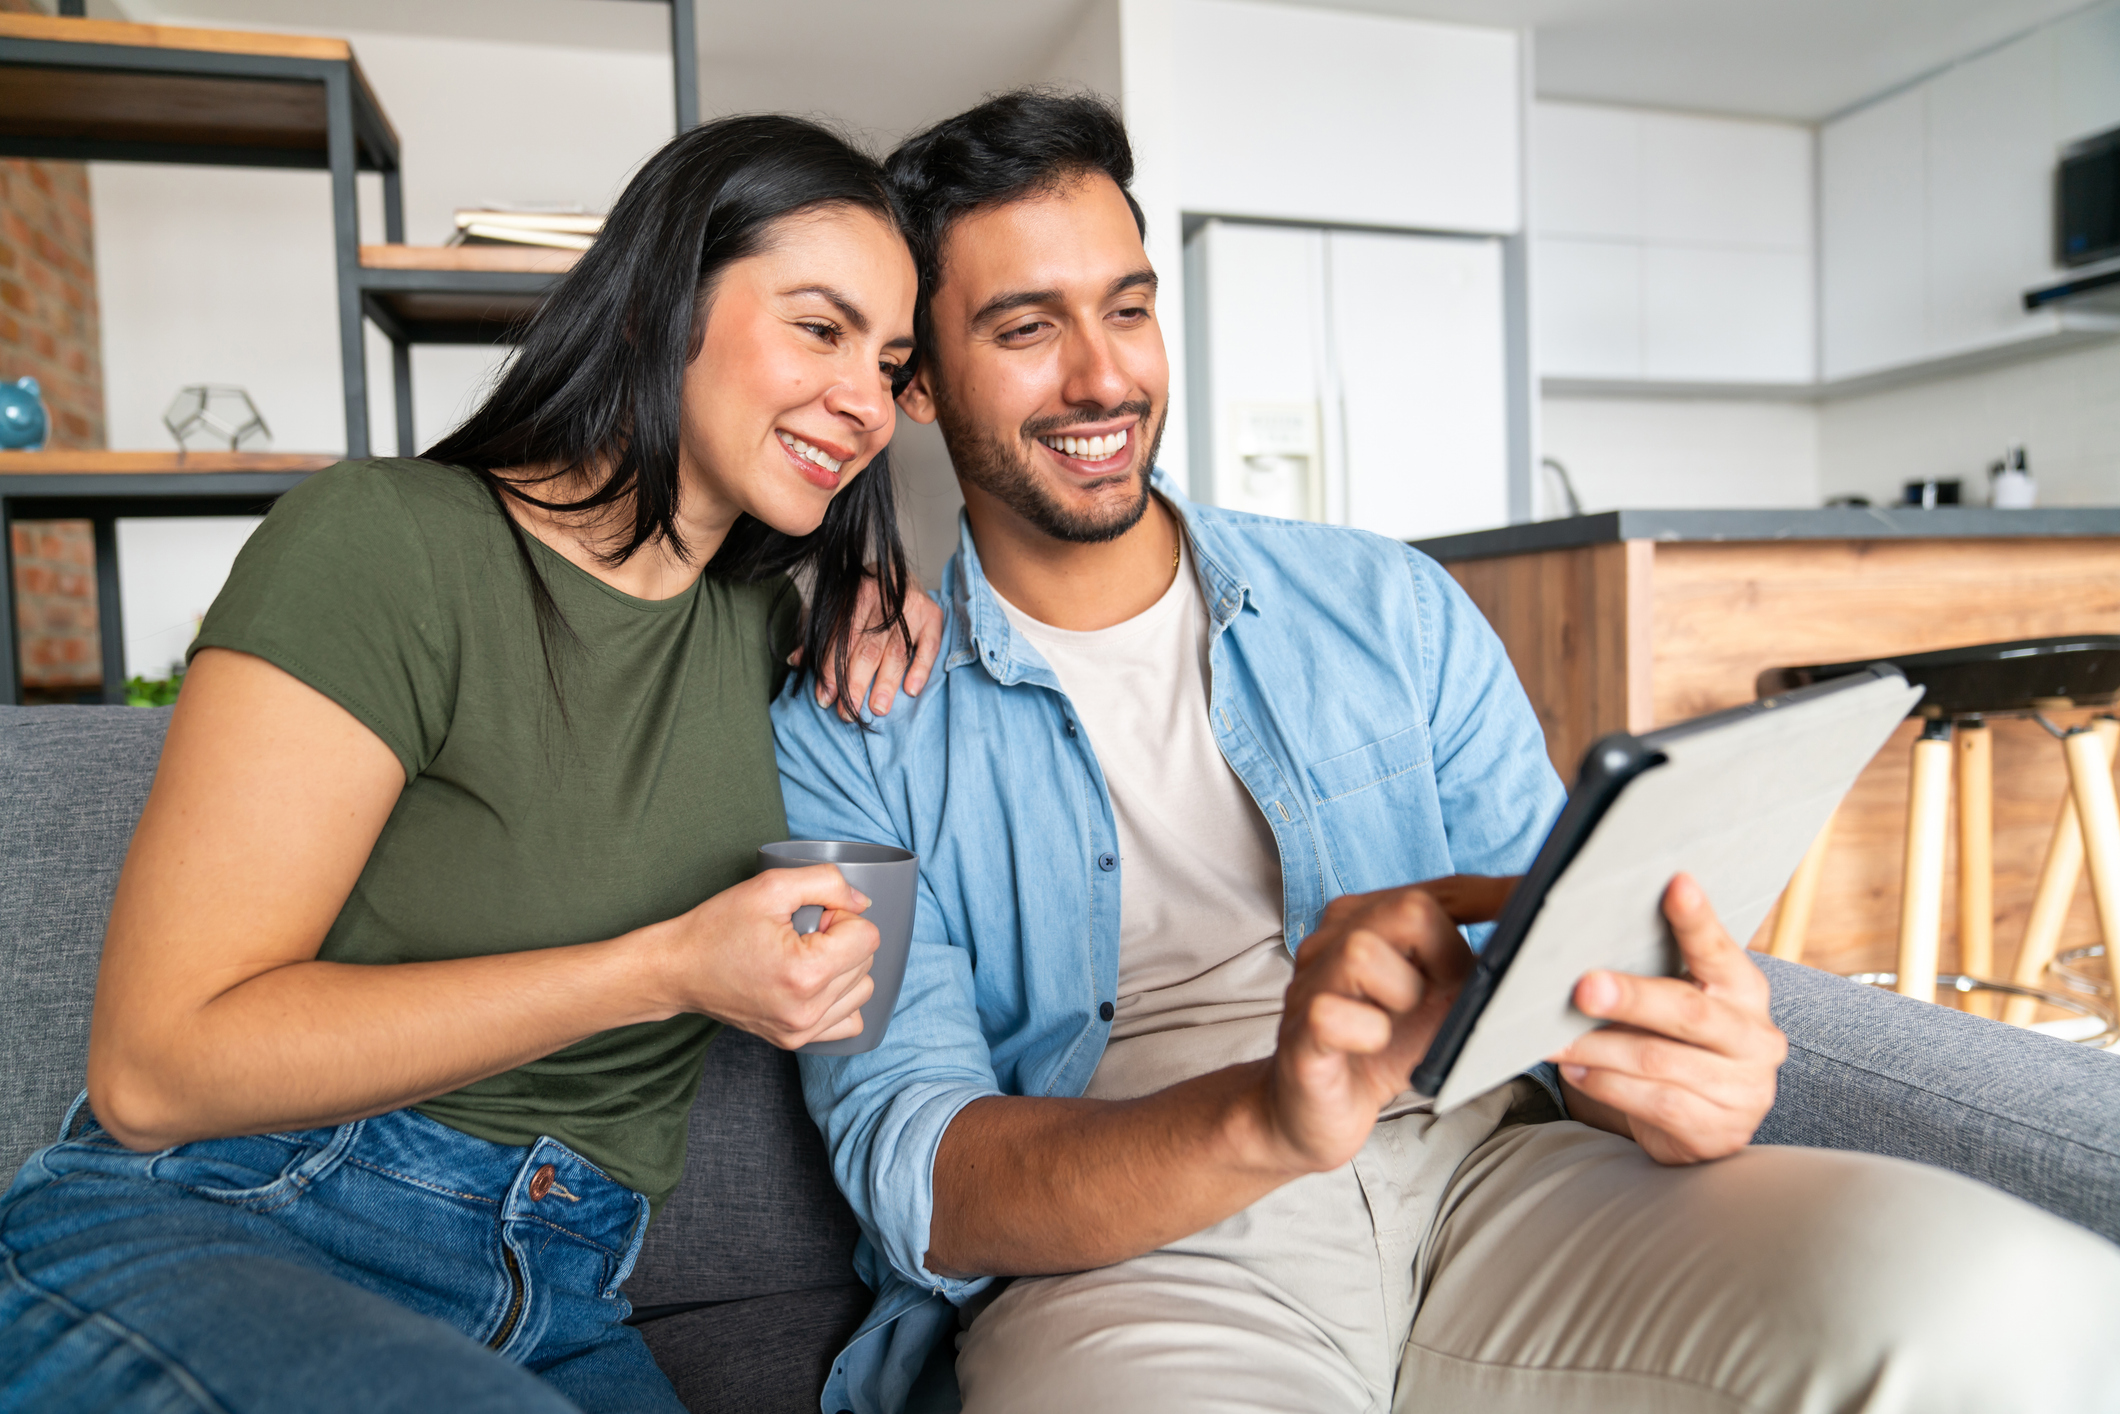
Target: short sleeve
<point x="337" y="588"/>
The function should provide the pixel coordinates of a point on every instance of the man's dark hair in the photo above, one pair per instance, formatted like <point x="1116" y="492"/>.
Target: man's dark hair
<point x="1023" y="143"/>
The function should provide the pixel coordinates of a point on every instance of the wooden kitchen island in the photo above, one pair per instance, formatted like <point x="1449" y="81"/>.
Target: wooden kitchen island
<point x="1634" y="619"/>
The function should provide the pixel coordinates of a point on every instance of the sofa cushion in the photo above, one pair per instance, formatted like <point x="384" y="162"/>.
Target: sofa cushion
<point x="76" y="778"/>
<point x="1884" y="1074"/>
<point x="756" y="1210"/>
<point x="767" y="1355"/>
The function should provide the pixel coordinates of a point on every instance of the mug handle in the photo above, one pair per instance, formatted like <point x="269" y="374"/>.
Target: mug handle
<point x="807" y="918"/>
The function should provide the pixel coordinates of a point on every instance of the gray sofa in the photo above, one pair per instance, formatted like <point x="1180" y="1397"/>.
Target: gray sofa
<point x="745" y="1289"/>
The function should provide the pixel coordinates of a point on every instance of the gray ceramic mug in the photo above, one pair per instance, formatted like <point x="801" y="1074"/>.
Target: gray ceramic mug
<point x="887" y="876"/>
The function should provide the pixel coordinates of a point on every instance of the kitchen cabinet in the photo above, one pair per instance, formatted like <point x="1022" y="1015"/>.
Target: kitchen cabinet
<point x="1587" y="317"/>
<point x="1671" y="249"/>
<point x="2087" y="73"/>
<point x="1937" y="211"/>
<point x="1725" y="315"/>
<point x="1725" y="182"/>
<point x="1991" y="149"/>
<point x="1586" y="171"/>
<point x="1873" y="253"/>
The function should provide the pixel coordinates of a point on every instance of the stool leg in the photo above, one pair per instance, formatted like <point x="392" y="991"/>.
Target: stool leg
<point x="1976" y="859"/>
<point x="1921" y="882"/>
<point x="2098" y="812"/>
<point x="2058" y="878"/>
<point x="1794" y="916"/>
<point x="2057" y="890"/>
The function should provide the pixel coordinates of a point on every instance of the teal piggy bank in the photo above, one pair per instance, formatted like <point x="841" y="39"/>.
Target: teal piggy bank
<point x="25" y="422"/>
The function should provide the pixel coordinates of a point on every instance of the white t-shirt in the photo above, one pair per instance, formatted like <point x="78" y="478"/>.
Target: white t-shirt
<point x="1203" y="966"/>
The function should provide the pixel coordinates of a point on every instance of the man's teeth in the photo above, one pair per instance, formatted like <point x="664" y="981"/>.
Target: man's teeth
<point x="1090" y="449"/>
<point x="809" y="453"/>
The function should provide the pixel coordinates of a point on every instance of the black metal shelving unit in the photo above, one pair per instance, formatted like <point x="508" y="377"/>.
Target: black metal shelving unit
<point x="81" y="90"/>
<point x="74" y="89"/>
<point x="102" y="499"/>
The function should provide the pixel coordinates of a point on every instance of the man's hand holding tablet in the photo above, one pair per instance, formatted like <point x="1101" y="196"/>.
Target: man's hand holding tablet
<point x="1685" y="1066"/>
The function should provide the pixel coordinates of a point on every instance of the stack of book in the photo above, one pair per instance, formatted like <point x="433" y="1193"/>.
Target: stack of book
<point x="564" y="230"/>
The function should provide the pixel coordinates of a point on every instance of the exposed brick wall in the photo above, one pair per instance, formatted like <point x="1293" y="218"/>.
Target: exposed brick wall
<point x="48" y="330"/>
<point x="48" y="294"/>
<point x="55" y="607"/>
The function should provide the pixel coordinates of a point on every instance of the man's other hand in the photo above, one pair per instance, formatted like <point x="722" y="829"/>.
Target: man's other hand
<point x="1687" y="1066"/>
<point x="1372" y="985"/>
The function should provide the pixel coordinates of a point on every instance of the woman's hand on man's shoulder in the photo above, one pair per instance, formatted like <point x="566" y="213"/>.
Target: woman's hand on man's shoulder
<point x="878" y="666"/>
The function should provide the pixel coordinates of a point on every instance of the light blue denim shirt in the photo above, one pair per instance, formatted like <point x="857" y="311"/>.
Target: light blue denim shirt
<point x="1355" y="690"/>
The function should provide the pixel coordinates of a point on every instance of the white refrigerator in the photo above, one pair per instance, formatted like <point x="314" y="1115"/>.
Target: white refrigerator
<point x="1353" y="377"/>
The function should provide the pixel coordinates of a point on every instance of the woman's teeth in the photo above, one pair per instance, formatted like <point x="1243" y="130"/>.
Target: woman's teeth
<point x="809" y="453"/>
<point x="1089" y="449"/>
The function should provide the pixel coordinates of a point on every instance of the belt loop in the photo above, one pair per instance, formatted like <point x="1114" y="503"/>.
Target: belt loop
<point x="73" y="1112"/>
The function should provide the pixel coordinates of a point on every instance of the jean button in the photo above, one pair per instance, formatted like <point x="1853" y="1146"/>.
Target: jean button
<point x="1107" y="862"/>
<point x="541" y="1183"/>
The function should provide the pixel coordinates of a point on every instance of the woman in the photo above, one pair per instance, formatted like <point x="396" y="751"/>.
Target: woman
<point x="442" y="889"/>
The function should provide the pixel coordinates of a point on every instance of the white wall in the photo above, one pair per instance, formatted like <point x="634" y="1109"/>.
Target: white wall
<point x="2064" y="409"/>
<point x="1681" y="452"/>
<point x="169" y="570"/>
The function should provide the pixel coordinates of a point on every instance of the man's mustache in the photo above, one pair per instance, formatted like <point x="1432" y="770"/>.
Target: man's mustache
<point x="1052" y="426"/>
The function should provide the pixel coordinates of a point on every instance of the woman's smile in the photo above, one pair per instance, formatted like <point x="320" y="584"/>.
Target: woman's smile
<point x="818" y="463"/>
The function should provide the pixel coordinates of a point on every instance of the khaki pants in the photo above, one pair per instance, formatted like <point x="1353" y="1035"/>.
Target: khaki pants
<point x="1482" y="1262"/>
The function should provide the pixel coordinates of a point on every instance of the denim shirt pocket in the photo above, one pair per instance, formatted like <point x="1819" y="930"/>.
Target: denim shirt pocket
<point x="1371" y="802"/>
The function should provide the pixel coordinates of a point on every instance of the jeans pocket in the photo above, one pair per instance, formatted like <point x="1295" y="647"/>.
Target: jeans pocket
<point x="258" y="1171"/>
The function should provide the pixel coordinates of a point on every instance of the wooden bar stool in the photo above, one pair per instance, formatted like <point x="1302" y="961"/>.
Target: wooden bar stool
<point x="1964" y="688"/>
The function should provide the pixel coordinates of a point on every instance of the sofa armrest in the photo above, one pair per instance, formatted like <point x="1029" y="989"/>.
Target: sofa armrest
<point x="1883" y="1074"/>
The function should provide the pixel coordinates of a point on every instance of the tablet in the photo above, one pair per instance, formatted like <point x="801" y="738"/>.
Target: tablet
<point x="1734" y="799"/>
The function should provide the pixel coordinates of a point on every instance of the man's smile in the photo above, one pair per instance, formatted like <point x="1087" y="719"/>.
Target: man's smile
<point x="1092" y="453"/>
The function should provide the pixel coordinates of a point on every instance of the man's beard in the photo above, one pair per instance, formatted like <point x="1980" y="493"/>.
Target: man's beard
<point x="1002" y="468"/>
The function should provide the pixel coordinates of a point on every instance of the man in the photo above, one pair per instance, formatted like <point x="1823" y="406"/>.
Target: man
<point x="1167" y="743"/>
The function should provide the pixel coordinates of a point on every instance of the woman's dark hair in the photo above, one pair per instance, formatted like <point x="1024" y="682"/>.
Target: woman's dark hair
<point x="1018" y="144"/>
<point x="596" y="388"/>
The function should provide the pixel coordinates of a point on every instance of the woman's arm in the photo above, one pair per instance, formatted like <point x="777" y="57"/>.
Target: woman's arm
<point x="213" y="1016"/>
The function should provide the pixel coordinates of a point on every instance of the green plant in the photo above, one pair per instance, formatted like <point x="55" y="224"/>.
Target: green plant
<point x="153" y="692"/>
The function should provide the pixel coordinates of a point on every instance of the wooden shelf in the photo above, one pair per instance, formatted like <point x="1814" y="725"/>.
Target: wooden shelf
<point x="216" y="41"/>
<point x="255" y="99"/>
<point x="520" y="259"/>
<point x="457" y="294"/>
<point x="70" y="463"/>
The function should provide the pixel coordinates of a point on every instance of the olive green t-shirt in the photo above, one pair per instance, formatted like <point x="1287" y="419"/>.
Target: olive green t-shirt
<point x="394" y="588"/>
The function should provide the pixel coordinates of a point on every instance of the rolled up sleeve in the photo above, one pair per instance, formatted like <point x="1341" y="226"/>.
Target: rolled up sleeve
<point x="883" y="1113"/>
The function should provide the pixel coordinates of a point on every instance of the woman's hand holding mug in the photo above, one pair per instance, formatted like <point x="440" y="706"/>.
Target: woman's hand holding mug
<point x="739" y="959"/>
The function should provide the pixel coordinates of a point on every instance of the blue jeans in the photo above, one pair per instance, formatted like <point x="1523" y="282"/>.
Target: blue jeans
<point x="392" y="1263"/>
